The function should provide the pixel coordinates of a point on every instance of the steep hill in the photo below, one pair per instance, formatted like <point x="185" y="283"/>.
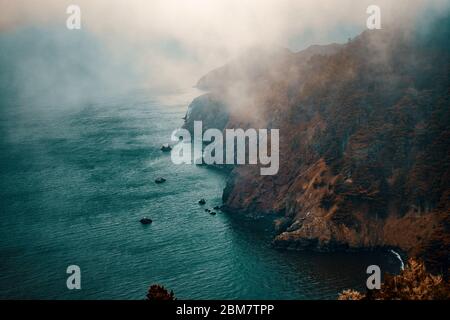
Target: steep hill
<point x="364" y="141"/>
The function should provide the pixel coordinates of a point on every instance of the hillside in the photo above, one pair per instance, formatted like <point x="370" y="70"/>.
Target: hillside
<point x="364" y="141"/>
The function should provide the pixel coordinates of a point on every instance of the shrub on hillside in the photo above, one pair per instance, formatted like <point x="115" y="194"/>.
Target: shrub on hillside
<point x="413" y="283"/>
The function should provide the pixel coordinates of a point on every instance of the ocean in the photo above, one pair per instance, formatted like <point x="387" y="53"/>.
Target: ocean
<point x="76" y="180"/>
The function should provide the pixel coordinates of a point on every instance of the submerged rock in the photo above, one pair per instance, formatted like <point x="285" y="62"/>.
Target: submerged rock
<point x="212" y="213"/>
<point x="160" y="180"/>
<point x="202" y="202"/>
<point x="166" y="148"/>
<point x="146" y="220"/>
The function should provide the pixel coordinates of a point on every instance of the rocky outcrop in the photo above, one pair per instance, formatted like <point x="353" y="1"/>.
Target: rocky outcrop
<point x="364" y="141"/>
<point x="208" y="108"/>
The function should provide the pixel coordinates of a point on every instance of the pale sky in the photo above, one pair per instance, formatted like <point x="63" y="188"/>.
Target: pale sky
<point x="187" y="38"/>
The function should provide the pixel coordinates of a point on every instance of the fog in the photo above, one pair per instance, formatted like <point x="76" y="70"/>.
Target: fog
<point x="168" y="44"/>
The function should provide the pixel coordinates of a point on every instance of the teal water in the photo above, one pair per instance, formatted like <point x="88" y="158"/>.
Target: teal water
<point x="76" y="179"/>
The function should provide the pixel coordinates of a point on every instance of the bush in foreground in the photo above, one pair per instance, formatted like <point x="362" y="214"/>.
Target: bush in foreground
<point x="413" y="283"/>
<point x="157" y="292"/>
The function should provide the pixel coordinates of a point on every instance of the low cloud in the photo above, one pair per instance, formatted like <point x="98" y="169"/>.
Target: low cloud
<point x="176" y="41"/>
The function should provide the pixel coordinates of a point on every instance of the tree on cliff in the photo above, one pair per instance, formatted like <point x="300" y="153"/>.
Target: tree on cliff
<point x="413" y="283"/>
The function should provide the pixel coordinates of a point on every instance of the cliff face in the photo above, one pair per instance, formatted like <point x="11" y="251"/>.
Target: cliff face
<point x="208" y="108"/>
<point x="364" y="141"/>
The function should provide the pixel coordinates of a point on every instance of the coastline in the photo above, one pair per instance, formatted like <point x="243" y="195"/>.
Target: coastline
<point x="320" y="204"/>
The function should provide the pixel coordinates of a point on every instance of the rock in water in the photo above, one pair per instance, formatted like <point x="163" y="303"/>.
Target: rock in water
<point x="146" y="220"/>
<point x="160" y="180"/>
<point x="166" y="148"/>
<point x="202" y="202"/>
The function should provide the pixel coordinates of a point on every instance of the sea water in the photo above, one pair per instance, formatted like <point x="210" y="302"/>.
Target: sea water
<point x="74" y="182"/>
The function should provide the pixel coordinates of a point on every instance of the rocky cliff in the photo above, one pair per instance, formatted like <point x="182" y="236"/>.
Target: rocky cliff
<point x="364" y="140"/>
